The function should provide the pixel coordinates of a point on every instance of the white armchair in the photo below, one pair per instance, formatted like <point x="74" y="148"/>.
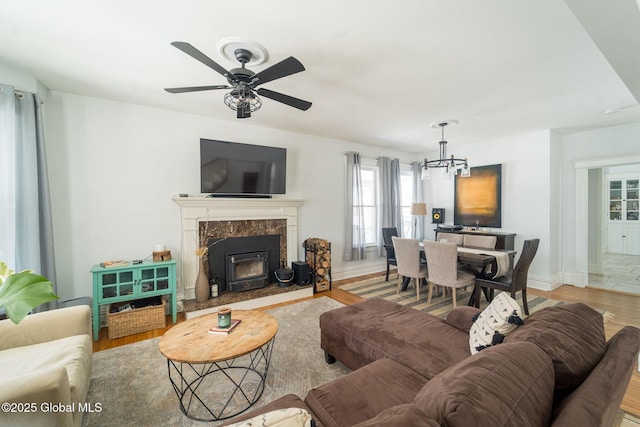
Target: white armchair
<point x="45" y="360"/>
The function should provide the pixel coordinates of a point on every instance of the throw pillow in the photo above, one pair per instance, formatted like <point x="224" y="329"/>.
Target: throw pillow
<point x="289" y="417"/>
<point x="494" y="323"/>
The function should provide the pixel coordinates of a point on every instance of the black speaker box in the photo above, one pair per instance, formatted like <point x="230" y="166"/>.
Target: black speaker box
<point x="437" y="216"/>
<point x="301" y="273"/>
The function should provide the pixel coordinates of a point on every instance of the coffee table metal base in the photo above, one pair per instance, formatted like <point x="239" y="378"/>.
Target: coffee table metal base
<point x="220" y="390"/>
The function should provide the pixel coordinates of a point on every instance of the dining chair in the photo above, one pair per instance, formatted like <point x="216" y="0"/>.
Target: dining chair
<point x="456" y="238"/>
<point x="514" y="282"/>
<point x="485" y="242"/>
<point x="442" y="259"/>
<point x="387" y="234"/>
<point x="409" y="265"/>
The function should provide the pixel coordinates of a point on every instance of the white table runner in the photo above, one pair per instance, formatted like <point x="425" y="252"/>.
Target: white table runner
<point x="502" y="259"/>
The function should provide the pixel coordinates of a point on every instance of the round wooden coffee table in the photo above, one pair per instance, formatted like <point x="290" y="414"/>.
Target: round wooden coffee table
<point x="218" y="376"/>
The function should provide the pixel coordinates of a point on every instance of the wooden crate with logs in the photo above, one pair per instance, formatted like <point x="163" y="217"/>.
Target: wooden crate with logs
<point x="318" y="256"/>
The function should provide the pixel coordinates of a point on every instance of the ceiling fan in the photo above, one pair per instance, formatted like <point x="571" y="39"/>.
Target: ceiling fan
<point x="243" y="97"/>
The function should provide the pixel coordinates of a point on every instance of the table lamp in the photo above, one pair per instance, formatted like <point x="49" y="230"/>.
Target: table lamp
<point x="417" y="209"/>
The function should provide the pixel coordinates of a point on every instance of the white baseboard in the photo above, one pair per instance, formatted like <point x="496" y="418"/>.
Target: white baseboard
<point x="545" y="283"/>
<point x="576" y="279"/>
<point x="348" y="273"/>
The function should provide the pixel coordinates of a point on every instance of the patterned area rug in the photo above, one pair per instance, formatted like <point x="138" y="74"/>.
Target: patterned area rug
<point x="440" y="305"/>
<point x="132" y="386"/>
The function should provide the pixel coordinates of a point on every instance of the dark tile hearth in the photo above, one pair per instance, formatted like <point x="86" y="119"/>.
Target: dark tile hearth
<point x="233" y="297"/>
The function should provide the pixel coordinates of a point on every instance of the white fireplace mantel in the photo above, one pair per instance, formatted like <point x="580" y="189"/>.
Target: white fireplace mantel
<point x="197" y="209"/>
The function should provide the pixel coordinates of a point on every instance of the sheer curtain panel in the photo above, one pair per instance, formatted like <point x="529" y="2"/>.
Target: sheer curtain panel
<point x="354" y="246"/>
<point x="25" y="207"/>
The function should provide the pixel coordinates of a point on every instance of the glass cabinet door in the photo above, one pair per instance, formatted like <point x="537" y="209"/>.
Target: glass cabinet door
<point x="109" y="285"/>
<point x="126" y="283"/>
<point x="632" y="207"/>
<point x="117" y="284"/>
<point x="615" y="200"/>
<point x="154" y="279"/>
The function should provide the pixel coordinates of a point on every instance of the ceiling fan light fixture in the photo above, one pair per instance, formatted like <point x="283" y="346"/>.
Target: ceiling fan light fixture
<point x="240" y="100"/>
<point x="243" y="82"/>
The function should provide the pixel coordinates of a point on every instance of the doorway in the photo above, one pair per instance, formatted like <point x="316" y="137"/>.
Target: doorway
<point x="607" y="269"/>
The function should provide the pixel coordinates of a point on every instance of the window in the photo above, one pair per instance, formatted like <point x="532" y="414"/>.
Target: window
<point x="406" y="194"/>
<point x="370" y="204"/>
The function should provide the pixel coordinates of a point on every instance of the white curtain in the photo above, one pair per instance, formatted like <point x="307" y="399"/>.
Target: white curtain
<point x="25" y="207"/>
<point x="390" y="198"/>
<point x="354" y="247"/>
<point x="418" y="197"/>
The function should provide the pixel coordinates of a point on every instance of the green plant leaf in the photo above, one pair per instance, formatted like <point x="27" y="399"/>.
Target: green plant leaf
<point x="5" y="271"/>
<point x="21" y="292"/>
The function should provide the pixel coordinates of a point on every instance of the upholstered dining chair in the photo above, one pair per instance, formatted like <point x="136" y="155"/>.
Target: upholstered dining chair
<point x="516" y="281"/>
<point x="456" y="238"/>
<point x="387" y="234"/>
<point x="409" y="265"/>
<point x="485" y="242"/>
<point x="442" y="259"/>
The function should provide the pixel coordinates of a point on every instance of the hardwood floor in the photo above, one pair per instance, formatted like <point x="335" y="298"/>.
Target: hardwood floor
<point x="624" y="307"/>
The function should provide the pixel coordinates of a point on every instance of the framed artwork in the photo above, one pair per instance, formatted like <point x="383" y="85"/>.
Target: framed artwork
<point x="478" y="198"/>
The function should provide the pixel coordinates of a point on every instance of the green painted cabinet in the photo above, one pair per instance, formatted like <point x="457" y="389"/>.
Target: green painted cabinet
<point x="130" y="282"/>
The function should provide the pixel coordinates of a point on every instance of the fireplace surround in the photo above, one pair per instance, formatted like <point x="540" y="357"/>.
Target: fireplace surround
<point x="235" y="218"/>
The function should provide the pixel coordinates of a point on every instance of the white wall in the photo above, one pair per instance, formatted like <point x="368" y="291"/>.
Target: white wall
<point x="623" y="169"/>
<point x="527" y="196"/>
<point x="115" y="166"/>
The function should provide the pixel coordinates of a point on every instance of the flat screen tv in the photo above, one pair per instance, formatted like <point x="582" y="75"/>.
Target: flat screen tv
<point x="234" y="169"/>
<point x="478" y="198"/>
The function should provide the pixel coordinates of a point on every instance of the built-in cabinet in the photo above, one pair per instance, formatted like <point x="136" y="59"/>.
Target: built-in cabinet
<point x="623" y="229"/>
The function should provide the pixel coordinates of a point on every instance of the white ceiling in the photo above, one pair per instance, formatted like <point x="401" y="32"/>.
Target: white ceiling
<point x="377" y="72"/>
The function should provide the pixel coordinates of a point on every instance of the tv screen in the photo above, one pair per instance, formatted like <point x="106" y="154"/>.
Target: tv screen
<point x="233" y="168"/>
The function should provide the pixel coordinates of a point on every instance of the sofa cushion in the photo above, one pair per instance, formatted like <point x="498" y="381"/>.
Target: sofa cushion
<point x="500" y="317"/>
<point x="373" y="329"/>
<point x="504" y="385"/>
<point x="72" y="353"/>
<point x="572" y="335"/>
<point x="404" y="415"/>
<point x="363" y="394"/>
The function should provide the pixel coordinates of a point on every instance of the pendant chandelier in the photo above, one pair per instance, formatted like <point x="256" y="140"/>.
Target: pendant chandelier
<point x="450" y="164"/>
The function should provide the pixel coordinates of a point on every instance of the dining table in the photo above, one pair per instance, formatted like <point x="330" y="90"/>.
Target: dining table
<point x="484" y="263"/>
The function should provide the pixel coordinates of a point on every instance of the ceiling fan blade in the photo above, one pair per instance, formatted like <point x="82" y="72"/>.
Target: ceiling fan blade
<point x="283" y="68"/>
<point x="195" y="88"/>
<point x="199" y="56"/>
<point x="285" y="99"/>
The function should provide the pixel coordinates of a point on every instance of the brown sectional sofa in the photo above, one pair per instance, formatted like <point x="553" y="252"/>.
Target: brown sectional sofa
<point x="414" y="369"/>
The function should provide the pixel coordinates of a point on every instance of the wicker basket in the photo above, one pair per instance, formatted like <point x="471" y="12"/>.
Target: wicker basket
<point x="137" y="320"/>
